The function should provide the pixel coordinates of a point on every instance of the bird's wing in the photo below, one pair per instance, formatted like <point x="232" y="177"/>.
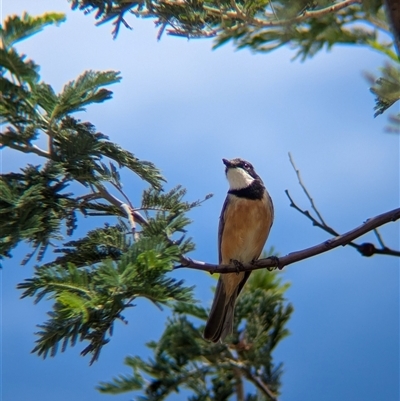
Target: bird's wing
<point x="221" y="227"/>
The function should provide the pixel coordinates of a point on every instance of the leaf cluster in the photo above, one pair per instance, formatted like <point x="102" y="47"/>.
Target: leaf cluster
<point x="258" y="24"/>
<point x="87" y="301"/>
<point x="183" y="360"/>
<point x="33" y="205"/>
<point x="387" y="91"/>
<point x="35" y="202"/>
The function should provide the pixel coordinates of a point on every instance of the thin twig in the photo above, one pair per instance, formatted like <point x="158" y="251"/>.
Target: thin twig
<point x="131" y="214"/>
<point x="129" y="210"/>
<point x="29" y="149"/>
<point x="239" y="14"/>
<point x="238" y="10"/>
<point x="89" y="197"/>
<point x="315" y="222"/>
<point x="305" y="190"/>
<point x="273" y="10"/>
<point x="254" y="379"/>
<point x="366" y="249"/>
<point x="119" y="188"/>
<point x="261" y="385"/>
<point x="379" y="238"/>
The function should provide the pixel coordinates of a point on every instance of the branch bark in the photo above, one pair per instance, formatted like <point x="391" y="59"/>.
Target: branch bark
<point x="275" y="263"/>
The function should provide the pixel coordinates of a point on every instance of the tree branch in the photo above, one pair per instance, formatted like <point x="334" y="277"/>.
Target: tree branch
<point x="131" y="214"/>
<point x="29" y="149"/>
<point x="254" y="379"/>
<point x="315" y="222"/>
<point x="260" y="384"/>
<point x="235" y="14"/>
<point x="238" y="14"/>
<point x="127" y="209"/>
<point x="273" y="262"/>
<point x="366" y="249"/>
<point x="239" y="384"/>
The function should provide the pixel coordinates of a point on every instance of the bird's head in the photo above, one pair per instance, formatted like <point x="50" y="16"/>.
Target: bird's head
<point x="240" y="173"/>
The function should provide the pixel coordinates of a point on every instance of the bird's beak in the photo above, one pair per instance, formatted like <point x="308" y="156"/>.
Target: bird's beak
<point x="227" y="163"/>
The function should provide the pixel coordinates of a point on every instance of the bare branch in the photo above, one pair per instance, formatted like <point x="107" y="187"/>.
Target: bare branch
<point x="128" y="209"/>
<point x="131" y="214"/>
<point x="273" y="262"/>
<point x="366" y="249"/>
<point x="315" y="222"/>
<point x="29" y="149"/>
<point x="379" y="238"/>
<point x="383" y="250"/>
<point x="128" y="212"/>
<point x="305" y="190"/>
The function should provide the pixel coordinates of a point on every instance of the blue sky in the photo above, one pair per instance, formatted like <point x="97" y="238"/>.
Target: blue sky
<point x="185" y="107"/>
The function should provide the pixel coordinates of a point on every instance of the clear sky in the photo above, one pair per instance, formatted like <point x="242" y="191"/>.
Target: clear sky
<point x="185" y="107"/>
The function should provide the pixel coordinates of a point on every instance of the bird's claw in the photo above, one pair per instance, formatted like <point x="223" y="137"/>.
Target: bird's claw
<point x="238" y="265"/>
<point x="276" y="263"/>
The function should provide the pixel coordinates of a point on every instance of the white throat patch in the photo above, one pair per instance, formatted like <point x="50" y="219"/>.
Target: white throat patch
<point x="238" y="178"/>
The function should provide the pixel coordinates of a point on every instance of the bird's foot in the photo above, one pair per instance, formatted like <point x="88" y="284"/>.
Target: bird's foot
<point x="275" y="259"/>
<point x="238" y="265"/>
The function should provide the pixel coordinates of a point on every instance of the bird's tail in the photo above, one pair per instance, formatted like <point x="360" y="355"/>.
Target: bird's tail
<point x="220" y="321"/>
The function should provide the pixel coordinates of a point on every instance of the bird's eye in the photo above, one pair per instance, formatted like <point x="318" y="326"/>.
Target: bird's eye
<point x="246" y="166"/>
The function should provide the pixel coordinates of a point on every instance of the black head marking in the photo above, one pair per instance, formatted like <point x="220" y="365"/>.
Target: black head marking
<point x="240" y="163"/>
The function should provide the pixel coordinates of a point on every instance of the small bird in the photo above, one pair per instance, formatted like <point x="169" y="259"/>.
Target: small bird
<point x="244" y="225"/>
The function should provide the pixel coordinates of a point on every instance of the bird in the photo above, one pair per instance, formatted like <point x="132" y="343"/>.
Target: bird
<point x="244" y="225"/>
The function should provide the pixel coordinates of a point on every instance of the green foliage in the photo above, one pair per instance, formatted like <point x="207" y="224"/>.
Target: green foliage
<point x="35" y="203"/>
<point x="258" y="24"/>
<point x="82" y="92"/>
<point x="169" y="216"/>
<point x="13" y="30"/>
<point x="386" y="88"/>
<point x="89" y="300"/>
<point x="25" y="70"/>
<point x="17" y="28"/>
<point x="183" y="360"/>
<point x="109" y="242"/>
<point x="387" y="92"/>
<point x="33" y="206"/>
